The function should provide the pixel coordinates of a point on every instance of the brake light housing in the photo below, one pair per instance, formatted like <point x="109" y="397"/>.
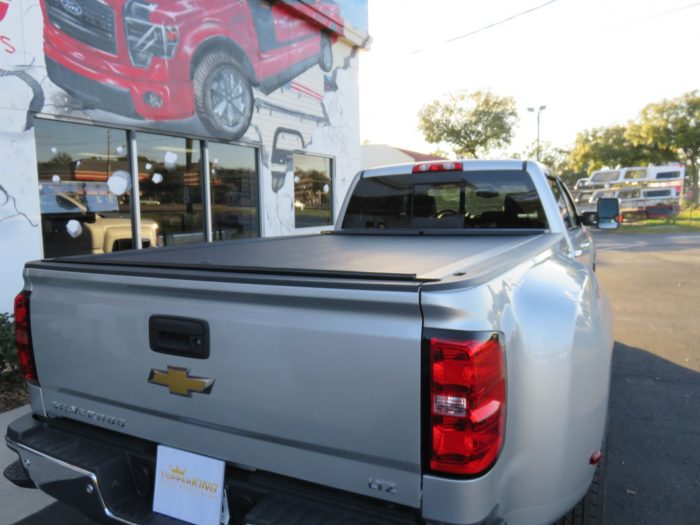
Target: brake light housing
<point x="466" y="402"/>
<point x="433" y="167"/>
<point x="23" y="338"/>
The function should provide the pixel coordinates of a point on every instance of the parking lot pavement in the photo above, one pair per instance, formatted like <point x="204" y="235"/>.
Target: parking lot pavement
<point x="16" y="503"/>
<point x="653" y="448"/>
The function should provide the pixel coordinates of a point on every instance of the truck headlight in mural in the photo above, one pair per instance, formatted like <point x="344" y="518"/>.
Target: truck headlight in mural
<point x="144" y="38"/>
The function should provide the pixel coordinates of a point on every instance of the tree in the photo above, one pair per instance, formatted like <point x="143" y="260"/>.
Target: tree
<point x="471" y="123"/>
<point x="611" y="147"/>
<point x="556" y="159"/>
<point x="673" y="125"/>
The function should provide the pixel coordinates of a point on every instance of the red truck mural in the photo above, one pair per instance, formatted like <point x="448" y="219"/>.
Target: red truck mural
<point x="179" y="58"/>
<point x="4" y="6"/>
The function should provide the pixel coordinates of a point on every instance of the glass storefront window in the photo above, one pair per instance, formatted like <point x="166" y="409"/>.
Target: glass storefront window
<point x="170" y="181"/>
<point x="234" y="191"/>
<point x="313" y="191"/>
<point x="84" y="189"/>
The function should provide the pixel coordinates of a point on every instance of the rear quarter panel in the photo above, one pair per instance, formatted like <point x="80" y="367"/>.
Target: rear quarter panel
<point x="556" y="326"/>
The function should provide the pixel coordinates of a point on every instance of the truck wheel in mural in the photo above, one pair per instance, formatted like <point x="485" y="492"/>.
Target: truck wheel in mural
<point x="325" y="57"/>
<point x="223" y="95"/>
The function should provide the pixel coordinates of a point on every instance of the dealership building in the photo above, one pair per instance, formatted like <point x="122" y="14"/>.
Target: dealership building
<point x="130" y="124"/>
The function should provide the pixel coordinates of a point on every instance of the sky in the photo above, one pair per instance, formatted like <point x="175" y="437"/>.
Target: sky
<point x="591" y="62"/>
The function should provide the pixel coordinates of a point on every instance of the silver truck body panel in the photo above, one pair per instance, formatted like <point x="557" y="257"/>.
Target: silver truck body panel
<point x="299" y="390"/>
<point x="317" y="360"/>
<point x="557" y="331"/>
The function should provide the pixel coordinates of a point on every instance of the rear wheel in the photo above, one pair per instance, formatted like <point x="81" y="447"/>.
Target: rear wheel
<point x="223" y="96"/>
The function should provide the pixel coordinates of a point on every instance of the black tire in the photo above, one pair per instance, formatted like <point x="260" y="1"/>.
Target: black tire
<point x="223" y="96"/>
<point x="325" y="55"/>
<point x="588" y="511"/>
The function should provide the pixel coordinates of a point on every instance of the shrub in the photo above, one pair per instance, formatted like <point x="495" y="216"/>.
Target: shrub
<point x="9" y="365"/>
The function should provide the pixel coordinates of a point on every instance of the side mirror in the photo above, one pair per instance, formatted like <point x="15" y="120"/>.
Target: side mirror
<point x="608" y="213"/>
<point x="589" y="218"/>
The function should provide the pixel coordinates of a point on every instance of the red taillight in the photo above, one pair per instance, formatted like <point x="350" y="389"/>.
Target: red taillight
<point x="595" y="457"/>
<point x="429" y="167"/>
<point x="23" y="336"/>
<point x="467" y="403"/>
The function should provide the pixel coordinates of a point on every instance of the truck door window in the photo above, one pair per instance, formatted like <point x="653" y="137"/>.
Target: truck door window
<point x="566" y="206"/>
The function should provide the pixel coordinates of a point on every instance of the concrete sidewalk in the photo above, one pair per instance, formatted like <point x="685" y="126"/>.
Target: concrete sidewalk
<point x="17" y="503"/>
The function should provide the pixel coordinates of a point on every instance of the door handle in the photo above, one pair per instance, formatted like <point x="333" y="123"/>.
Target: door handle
<point x="179" y="336"/>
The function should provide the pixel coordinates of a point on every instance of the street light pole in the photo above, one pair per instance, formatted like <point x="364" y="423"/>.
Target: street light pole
<point x="539" y="110"/>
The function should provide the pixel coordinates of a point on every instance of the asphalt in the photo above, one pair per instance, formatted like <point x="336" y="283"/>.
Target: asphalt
<point x="653" y="446"/>
<point x="15" y="503"/>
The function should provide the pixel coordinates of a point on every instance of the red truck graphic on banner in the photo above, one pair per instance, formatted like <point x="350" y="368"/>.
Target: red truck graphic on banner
<point x="178" y="58"/>
<point x="4" y="6"/>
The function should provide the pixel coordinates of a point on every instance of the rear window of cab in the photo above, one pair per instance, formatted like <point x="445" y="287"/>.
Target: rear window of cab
<point x="459" y="200"/>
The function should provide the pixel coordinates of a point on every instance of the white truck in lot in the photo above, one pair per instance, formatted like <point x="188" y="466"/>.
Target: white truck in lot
<point x="441" y="357"/>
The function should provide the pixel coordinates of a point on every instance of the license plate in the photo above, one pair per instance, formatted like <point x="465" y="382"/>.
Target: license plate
<point x="188" y="486"/>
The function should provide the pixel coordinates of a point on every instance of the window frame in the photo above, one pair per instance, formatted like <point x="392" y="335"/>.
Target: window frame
<point x="210" y="204"/>
<point x="568" y="203"/>
<point x="131" y="134"/>
<point x="332" y="176"/>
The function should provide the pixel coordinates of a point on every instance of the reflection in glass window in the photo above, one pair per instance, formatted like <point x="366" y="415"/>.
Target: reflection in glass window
<point x="470" y="200"/>
<point x="567" y="213"/>
<point x="605" y="176"/>
<point x="313" y="193"/>
<point x="657" y="193"/>
<point x="234" y="191"/>
<point x="628" y="194"/>
<point x="84" y="189"/>
<point x="639" y="173"/>
<point x="171" y="187"/>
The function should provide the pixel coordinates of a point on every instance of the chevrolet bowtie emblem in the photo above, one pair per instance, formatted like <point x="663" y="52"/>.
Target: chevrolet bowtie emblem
<point x="180" y="382"/>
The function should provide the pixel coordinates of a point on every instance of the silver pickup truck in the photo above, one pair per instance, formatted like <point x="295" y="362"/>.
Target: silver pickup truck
<point x="441" y="357"/>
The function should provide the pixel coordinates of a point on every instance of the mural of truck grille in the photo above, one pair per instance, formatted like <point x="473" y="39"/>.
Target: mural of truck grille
<point x="89" y="21"/>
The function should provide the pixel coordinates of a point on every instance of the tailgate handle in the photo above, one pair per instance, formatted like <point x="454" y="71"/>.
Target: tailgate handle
<point x="180" y="336"/>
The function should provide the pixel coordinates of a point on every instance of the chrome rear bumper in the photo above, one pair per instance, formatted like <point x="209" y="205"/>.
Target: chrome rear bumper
<point x="64" y="481"/>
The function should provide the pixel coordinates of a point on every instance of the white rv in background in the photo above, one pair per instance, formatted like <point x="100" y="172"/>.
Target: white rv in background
<point x="653" y="191"/>
<point x="670" y="175"/>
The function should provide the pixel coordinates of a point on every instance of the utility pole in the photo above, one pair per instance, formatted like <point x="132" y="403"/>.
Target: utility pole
<point x="539" y="110"/>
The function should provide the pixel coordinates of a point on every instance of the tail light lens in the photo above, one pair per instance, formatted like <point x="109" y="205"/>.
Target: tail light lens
<point x="23" y="336"/>
<point x="432" y="167"/>
<point x="467" y="403"/>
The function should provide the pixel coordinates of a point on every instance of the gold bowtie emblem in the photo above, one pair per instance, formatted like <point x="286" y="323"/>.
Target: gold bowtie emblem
<point x="180" y="382"/>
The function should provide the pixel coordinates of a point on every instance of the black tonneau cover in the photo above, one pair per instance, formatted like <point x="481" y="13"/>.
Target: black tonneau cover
<point x="385" y="257"/>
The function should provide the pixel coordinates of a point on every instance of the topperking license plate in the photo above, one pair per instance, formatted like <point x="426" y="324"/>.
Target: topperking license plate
<point x="188" y="486"/>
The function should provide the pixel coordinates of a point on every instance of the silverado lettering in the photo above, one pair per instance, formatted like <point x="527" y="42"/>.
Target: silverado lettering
<point x="89" y="414"/>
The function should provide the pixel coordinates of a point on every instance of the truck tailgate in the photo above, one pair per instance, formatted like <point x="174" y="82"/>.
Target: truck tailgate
<point x="318" y="383"/>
